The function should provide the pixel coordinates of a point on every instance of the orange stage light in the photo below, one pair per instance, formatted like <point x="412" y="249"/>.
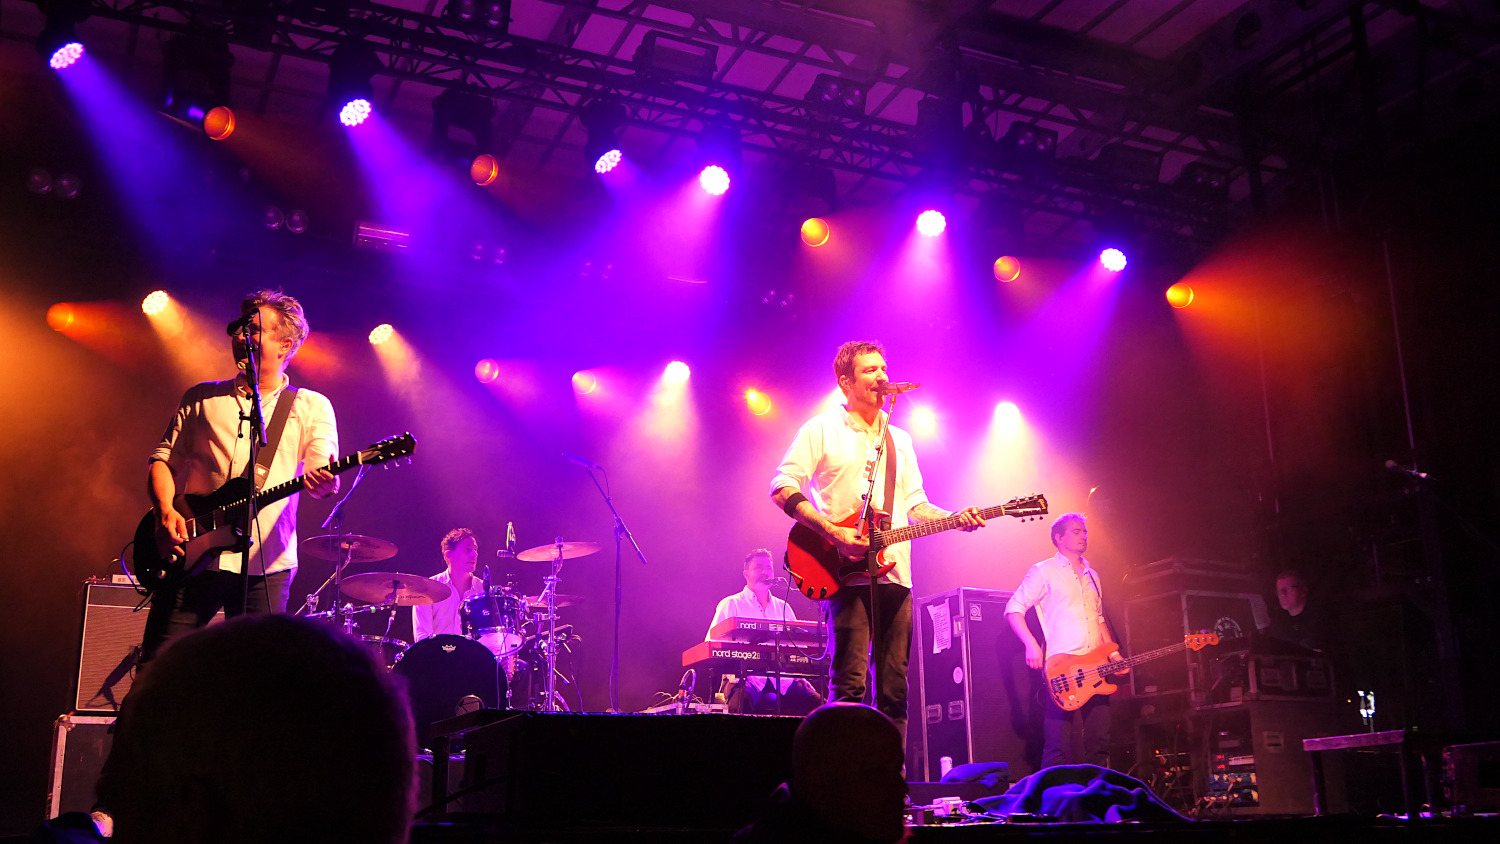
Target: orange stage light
<point x="218" y="124"/>
<point x="1007" y="268"/>
<point x="815" y="231"/>
<point x="61" y="316"/>
<point x="381" y="333"/>
<point x="484" y="170"/>
<point x="155" y="303"/>
<point x="1180" y="295"/>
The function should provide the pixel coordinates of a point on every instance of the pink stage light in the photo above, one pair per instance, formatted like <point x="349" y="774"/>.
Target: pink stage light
<point x="1112" y="259"/>
<point x="355" y="112"/>
<point x="931" y="223"/>
<point x="65" y="55"/>
<point x="487" y="370"/>
<point x="608" y="161"/>
<point x="714" y="179"/>
<point x="676" y="372"/>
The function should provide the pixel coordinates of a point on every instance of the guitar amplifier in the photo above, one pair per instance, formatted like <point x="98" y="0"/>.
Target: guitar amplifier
<point x="109" y="646"/>
<point x="978" y="702"/>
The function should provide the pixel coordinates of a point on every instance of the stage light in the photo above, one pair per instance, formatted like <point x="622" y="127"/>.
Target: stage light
<point x="487" y="370"/>
<point x="272" y="217"/>
<point x="931" y="223"/>
<point x="923" y="421"/>
<point x="815" y="231"/>
<point x="608" y="161"/>
<point x="39" y="181"/>
<point x="676" y="372"/>
<point x="155" y="302"/>
<point x="1180" y="295"/>
<point x="484" y="170"/>
<point x="218" y="124"/>
<point x="66" y="186"/>
<point x="1006" y="412"/>
<point x="296" y="221"/>
<point x="585" y="382"/>
<point x="381" y="333"/>
<point x="840" y="97"/>
<point x="714" y="179"/>
<point x="61" y="316"/>
<point x="1112" y="259"/>
<point x="1007" y="268"/>
<point x="355" y="112"/>
<point x="758" y="402"/>
<point x="65" y="56"/>
<point x="604" y="121"/>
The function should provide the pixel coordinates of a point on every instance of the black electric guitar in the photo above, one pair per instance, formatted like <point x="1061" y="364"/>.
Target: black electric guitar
<point x="211" y="517"/>
<point x="819" y="568"/>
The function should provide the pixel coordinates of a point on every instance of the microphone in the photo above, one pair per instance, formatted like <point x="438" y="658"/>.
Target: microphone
<point x="488" y="588"/>
<point x="779" y="581"/>
<point x="582" y="461"/>
<point x="233" y="328"/>
<point x="510" y="537"/>
<point x="896" y="388"/>
<point x="1409" y="471"/>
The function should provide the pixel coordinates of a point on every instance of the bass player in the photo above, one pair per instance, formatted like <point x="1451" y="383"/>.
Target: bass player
<point x="207" y="442"/>
<point x="1065" y="591"/>
<point x="833" y="456"/>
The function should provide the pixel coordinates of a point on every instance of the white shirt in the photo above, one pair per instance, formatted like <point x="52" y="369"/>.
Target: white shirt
<point x="744" y="604"/>
<point x="428" y="620"/>
<point x="1068" y="604"/>
<point x="203" y="448"/>
<point x="830" y="461"/>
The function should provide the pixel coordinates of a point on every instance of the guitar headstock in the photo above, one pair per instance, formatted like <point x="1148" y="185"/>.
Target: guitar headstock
<point x="390" y="448"/>
<point x="1021" y="508"/>
<point x="1199" y="641"/>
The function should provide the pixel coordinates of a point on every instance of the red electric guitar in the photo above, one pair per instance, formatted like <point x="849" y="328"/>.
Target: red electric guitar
<point x="819" y="569"/>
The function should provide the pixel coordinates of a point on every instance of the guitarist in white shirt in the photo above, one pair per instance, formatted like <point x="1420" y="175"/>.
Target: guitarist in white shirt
<point x="207" y="443"/>
<point x="1064" y="589"/>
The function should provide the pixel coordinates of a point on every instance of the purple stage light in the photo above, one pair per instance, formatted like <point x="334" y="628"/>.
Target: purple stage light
<point x="1112" y="259"/>
<point x="355" y="112"/>
<point x="714" y="179"/>
<point x="931" y="223"/>
<point x="65" y="55"/>
<point x="608" y="161"/>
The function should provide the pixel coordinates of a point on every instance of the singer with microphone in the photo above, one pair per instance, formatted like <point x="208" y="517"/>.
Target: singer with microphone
<point x="207" y="443"/>
<point x="756" y="601"/>
<point x="834" y="456"/>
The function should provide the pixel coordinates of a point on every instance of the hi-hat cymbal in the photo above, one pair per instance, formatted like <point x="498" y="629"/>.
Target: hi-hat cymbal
<point x="537" y="602"/>
<point x="362" y="549"/>
<point x="547" y="553"/>
<point x="386" y="587"/>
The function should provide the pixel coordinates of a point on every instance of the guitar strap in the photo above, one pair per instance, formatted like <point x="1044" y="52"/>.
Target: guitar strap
<point x="890" y="471"/>
<point x="273" y="435"/>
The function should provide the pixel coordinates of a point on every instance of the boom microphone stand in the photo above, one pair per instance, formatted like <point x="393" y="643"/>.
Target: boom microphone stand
<point x="621" y="533"/>
<point x="257" y="421"/>
<point x="872" y="556"/>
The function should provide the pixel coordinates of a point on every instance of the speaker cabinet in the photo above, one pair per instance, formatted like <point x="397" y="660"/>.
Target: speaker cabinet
<point x="109" y="646"/>
<point x="978" y="701"/>
<point x="80" y="744"/>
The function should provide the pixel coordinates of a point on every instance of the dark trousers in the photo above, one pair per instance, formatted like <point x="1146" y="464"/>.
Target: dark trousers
<point x="847" y="615"/>
<point x="194" y="602"/>
<point x="1059" y="726"/>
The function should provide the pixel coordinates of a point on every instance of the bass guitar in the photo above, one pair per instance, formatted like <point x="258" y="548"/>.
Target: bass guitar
<point x="819" y="569"/>
<point x="212" y="517"/>
<point x="1074" y="678"/>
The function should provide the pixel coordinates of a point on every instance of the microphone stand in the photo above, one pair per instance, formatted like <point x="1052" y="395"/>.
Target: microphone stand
<point x="335" y="523"/>
<point x="867" y="522"/>
<point x="257" y="421"/>
<point x="621" y="533"/>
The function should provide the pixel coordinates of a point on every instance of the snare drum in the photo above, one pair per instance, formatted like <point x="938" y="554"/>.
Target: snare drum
<point x="494" y="621"/>
<point x="387" y="649"/>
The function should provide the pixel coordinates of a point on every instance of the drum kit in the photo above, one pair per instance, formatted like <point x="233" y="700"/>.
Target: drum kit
<point x="507" y="655"/>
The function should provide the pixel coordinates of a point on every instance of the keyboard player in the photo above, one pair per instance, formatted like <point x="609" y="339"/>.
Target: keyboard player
<point x="756" y="601"/>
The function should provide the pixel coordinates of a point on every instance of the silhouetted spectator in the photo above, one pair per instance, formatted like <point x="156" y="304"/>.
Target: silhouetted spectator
<point x="846" y="785"/>
<point x="263" y="729"/>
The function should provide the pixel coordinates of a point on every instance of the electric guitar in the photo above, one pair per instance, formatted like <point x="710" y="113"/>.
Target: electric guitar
<point x="1074" y="678"/>
<point x="819" y="569"/>
<point x="212" y="518"/>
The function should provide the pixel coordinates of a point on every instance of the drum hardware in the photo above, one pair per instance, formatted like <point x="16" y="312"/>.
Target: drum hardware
<point x="549" y="600"/>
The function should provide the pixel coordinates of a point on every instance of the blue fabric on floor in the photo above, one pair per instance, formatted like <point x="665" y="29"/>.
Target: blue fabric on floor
<point x="1082" y="794"/>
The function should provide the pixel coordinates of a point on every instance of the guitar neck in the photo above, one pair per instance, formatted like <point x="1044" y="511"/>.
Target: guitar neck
<point x="274" y="494"/>
<point x="887" y="538"/>
<point x="1133" y="661"/>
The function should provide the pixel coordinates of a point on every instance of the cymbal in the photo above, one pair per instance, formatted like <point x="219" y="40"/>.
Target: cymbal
<point x="405" y="590"/>
<point x="537" y="602"/>
<point x="548" y="553"/>
<point x="362" y="549"/>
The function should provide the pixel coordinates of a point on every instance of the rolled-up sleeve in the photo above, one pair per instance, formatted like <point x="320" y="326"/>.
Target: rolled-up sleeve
<point x="800" y="461"/>
<point x="167" y="447"/>
<point x="1033" y="587"/>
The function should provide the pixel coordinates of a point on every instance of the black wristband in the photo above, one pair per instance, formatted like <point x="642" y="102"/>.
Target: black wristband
<point x="790" y="507"/>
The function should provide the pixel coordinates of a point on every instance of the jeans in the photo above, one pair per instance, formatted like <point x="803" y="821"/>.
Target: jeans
<point x="194" y="602"/>
<point x="1058" y="729"/>
<point x="847" y="615"/>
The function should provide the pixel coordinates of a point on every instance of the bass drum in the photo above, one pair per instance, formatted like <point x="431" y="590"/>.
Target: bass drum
<point x="441" y="672"/>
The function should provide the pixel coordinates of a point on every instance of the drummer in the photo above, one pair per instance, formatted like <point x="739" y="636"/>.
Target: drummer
<point x="461" y="555"/>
